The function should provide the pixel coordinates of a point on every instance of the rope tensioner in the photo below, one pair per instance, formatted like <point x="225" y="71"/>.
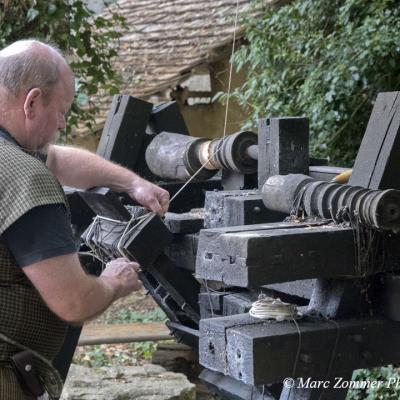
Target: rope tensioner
<point x="378" y="209"/>
<point x="180" y="157"/>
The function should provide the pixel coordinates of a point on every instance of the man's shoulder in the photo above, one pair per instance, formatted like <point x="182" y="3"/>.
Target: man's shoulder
<point x="25" y="183"/>
<point x="14" y="162"/>
<point x="10" y="153"/>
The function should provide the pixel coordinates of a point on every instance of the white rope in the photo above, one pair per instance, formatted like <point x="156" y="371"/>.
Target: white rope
<point x="94" y="233"/>
<point x="270" y="308"/>
<point x="226" y="109"/>
<point x="128" y="231"/>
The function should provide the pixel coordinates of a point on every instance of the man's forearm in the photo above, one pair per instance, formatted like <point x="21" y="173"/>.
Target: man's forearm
<point x="75" y="296"/>
<point x="83" y="169"/>
<point x="99" y="296"/>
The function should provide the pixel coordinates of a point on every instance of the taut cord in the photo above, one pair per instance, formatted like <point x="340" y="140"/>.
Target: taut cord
<point x="226" y="109"/>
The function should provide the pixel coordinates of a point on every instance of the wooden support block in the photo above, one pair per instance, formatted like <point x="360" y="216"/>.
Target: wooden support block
<point x="182" y="251"/>
<point x="236" y="207"/>
<point x="123" y="333"/>
<point x="238" y="303"/>
<point x="189" y="222"/>
<point x="282" y="147"/>
<point x="141" y="244"/>
<point x="211" y="303"/>
<point x="279" y="253"/>
<point x="192" y="197"/>
<point x="389" y="295"/>
<point x="214" y="205"/>
<point x="229" y="388"/>
<point x="85" y="205"/>
<point x="212" y="341"/>
<point x="232" y="180"/>
<point x="265" y="352"/>
<point x="376" y="165"/>
<point x="302" y="289"/>
<point x="124" y="130"/>
<point x="341" y="298"/>
<point x="166" y="117"/>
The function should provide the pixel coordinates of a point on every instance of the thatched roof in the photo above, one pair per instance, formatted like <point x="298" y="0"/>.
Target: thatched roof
<point x="166" y="39"/>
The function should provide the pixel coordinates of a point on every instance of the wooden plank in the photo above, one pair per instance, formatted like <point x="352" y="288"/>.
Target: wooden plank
<point x="123" y="333"/>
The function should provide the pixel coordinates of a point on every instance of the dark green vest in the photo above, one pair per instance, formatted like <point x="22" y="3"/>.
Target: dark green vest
<point x="25" y="183"/>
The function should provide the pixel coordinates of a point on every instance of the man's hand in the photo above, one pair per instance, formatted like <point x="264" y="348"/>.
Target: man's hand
<point x="123" y="273"/>
<point x="150" y="196"/>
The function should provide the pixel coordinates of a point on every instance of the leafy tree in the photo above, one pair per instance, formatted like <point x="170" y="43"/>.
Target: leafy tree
<point x="86" y="39"/>
<point x="325" y="59"/>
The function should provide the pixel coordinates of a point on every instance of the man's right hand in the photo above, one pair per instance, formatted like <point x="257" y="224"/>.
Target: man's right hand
<point x="124" y="274"/>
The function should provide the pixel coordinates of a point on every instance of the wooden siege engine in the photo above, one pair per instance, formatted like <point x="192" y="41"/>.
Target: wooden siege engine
<point x="243" y="228"/>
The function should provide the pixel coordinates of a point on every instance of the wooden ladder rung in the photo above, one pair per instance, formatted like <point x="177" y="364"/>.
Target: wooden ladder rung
<point x="123" y="333"/>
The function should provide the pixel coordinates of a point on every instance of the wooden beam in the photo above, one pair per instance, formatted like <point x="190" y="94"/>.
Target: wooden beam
<point x="376" y="165"/>
<point x="277" y="253"/>
<point x="124" y="130"/>
<point x="283" y="147"/>
<point x="236" y="207"/>
<point x="123" y="333"/>
<point x="260" y="352"/>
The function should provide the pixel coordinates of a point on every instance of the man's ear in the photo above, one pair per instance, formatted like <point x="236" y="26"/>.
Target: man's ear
<point x="31" y="100"/>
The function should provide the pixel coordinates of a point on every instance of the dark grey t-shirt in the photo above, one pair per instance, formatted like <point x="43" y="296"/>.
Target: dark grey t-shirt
<point x="43" y="232"/>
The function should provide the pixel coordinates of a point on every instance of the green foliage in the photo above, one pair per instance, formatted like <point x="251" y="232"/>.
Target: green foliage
<point x="86" y="39"/>
<point x="389" y="377"/>
<point x="145" y="350"/>
<point x="126" y="316"/>
<point x="120" y="354"/>
<point x="325" y="59"/>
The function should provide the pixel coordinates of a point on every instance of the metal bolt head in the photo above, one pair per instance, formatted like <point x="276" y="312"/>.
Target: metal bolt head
<point x="28" y="368"/>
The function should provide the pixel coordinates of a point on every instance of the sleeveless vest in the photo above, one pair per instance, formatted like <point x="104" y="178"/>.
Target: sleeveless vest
<point x="25" y="321"/>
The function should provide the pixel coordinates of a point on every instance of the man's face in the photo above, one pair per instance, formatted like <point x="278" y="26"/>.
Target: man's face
<point x="51" y="113"/>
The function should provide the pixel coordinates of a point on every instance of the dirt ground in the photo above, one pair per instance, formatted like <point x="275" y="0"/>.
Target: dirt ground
<point x="128" y="353"/>
<point x="138" y="303"/>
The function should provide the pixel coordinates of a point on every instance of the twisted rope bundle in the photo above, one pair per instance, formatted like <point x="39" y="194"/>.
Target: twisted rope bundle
<point x="270" y="308"/>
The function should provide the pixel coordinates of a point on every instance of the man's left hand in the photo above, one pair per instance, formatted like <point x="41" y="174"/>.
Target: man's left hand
<point x="150" y="196"/>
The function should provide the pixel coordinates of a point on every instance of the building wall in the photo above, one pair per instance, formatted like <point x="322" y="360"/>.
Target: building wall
<point x="208" y="119"/>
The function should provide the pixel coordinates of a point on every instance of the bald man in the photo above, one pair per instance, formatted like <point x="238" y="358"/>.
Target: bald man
<point x="42" y="284"/>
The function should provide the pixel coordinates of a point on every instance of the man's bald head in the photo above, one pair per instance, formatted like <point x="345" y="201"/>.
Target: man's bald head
<point x="28" y="64"/>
